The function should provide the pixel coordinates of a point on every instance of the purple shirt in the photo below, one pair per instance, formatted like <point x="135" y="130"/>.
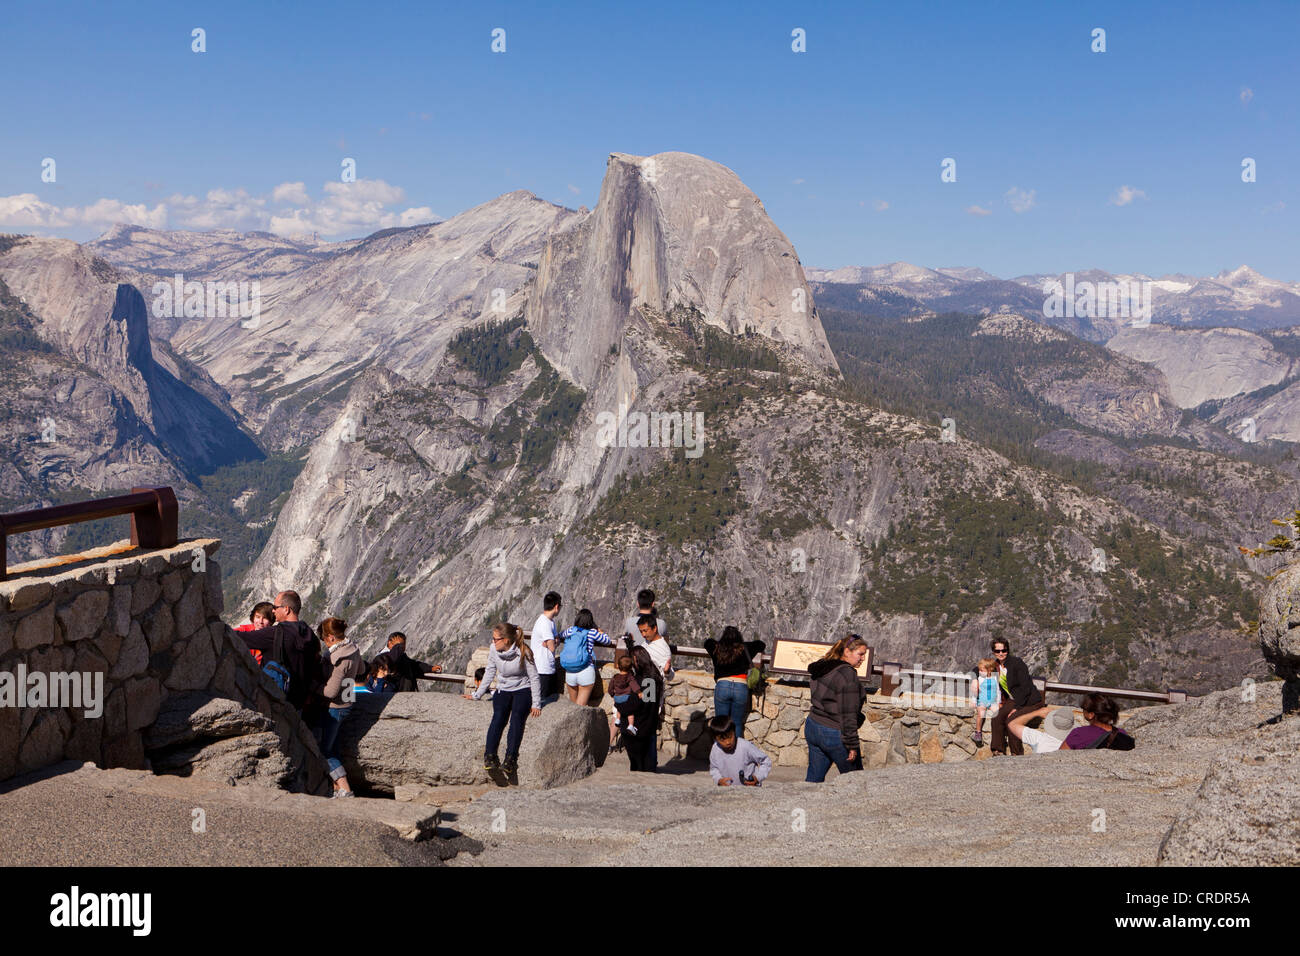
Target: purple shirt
<point x="1081" y="738"/>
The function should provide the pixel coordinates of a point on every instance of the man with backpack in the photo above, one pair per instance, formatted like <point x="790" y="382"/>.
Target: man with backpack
<point x="289" y="649"/>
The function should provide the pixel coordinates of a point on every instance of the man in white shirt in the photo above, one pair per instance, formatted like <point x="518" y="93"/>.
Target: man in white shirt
<point x="655" y="645"/>
<point x="542" y="644"/>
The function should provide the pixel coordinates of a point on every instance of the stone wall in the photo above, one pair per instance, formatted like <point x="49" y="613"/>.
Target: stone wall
<point x="896" y="729"/>
<point x="907" y="728"/>
<point x="178" y="693"/>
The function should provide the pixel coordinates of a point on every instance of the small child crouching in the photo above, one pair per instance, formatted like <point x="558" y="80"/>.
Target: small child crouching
<point x="735" y="759"/>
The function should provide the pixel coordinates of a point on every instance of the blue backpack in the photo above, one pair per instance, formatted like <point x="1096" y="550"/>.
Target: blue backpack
<point x="273" y="668"/>
<point x="575" y="656"/>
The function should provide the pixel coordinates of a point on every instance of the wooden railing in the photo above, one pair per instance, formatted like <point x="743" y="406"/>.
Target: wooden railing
<point x="154" y="519"/>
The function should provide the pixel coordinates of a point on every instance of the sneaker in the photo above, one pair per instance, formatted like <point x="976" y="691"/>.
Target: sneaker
<point x="510" y="768"/>
<point x="632" y="731"/>
<point x="490" y="763"/>
<point x="343" y="793"/>
<point x="978" y="737"/>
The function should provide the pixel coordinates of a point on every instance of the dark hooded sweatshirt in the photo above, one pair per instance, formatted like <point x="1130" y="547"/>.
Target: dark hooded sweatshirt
<point x="301" y="656"/>
<point x="836" y="698"/>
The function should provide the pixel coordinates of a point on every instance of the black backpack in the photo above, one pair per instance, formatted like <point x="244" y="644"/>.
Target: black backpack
<point x="1112" y="741"/>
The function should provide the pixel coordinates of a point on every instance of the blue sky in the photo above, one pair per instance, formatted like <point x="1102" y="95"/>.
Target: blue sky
<point x="1128" y="160"/>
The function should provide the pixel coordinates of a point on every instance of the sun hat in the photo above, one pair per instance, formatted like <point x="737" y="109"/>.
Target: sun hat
<point x="1060" y="723"/>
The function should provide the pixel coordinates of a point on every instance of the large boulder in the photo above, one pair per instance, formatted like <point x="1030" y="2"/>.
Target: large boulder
<point x="215" y="738"/>
<point x="437" y="739"/>
<point x="1279" y="632"/>
<point x="1247" y="810"/>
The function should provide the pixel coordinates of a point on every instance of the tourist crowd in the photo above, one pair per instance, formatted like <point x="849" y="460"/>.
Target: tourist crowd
<point x="321" y="677"/>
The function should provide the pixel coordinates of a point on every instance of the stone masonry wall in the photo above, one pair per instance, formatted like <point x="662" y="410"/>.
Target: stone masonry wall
<point x="178" y="693"/>
<point x="896" y="730"/>
<point x="909" y="728"/>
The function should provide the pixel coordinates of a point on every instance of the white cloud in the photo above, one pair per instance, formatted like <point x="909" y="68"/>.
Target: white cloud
<point x="1020" y="200"/>
<point x="219" y="209"/>
<point x="342" y="209"/>
<point x="290" y="192"/>
<point x="1247" y="94"/>
<point x="27" y="210"/>
<point x="978" y="211"/>
<point x="574" y="189"/>
<point x="799" y="182"/>
<point x="880" y="205"/>
<point x="1125" y="195"/>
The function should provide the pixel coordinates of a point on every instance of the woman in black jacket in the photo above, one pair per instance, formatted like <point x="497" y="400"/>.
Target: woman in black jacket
<point x="643" y="748"/>
<point x="732" y="658"/>
<point x="832" y="725"/>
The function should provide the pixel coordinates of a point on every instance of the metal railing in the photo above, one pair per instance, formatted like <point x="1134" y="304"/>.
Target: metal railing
<point x="154" y="519"/>
<point x="891" y="672"/>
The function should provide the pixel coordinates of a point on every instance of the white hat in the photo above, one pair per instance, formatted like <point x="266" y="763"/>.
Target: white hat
<point x="1060" y="723"/>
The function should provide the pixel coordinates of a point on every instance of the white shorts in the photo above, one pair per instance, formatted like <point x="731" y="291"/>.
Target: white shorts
<point x="583" y="678"/>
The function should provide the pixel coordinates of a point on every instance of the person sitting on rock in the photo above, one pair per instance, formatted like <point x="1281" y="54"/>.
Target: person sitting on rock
<point x="299" y="648"/>
<point x="511" y="663"/>
<point x="1101" y="733"/>
<point x="405" y="672"/>
<point x="734" y="759"/>
<point x="262" y="615"/>
<point x="1051" y="737"/>
<point x="343" y="669"/>
<point x="1019" y="694"/>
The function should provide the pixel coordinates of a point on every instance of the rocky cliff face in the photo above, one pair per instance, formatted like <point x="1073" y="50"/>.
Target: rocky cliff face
<point x="1206" y="364"/>
<point x="671" y="230"/>
<point x="89" y="410"/>
<point x="394" y="299"/>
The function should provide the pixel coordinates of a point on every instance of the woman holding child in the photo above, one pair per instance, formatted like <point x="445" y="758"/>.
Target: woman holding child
<point x="832" y="725"/>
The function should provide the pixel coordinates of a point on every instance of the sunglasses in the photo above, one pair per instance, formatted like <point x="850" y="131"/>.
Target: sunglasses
<point x="1003" y="651"/>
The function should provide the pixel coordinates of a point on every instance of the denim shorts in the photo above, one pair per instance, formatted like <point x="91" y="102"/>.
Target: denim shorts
<point x="583" y="678"/>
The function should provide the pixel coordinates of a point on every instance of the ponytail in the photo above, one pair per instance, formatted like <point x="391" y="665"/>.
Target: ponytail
<point x="516" y="635"/>
<point x="843" y="646"/>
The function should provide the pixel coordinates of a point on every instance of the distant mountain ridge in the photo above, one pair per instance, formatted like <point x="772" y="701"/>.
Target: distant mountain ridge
<point x="1241" y="297"/>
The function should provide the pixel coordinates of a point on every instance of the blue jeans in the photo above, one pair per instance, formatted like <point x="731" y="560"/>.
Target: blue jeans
<point x="826" y="747"/>
<point x="512" y="706"/>
<point x="329" y="742"/>
<point x="731" y="699"/>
